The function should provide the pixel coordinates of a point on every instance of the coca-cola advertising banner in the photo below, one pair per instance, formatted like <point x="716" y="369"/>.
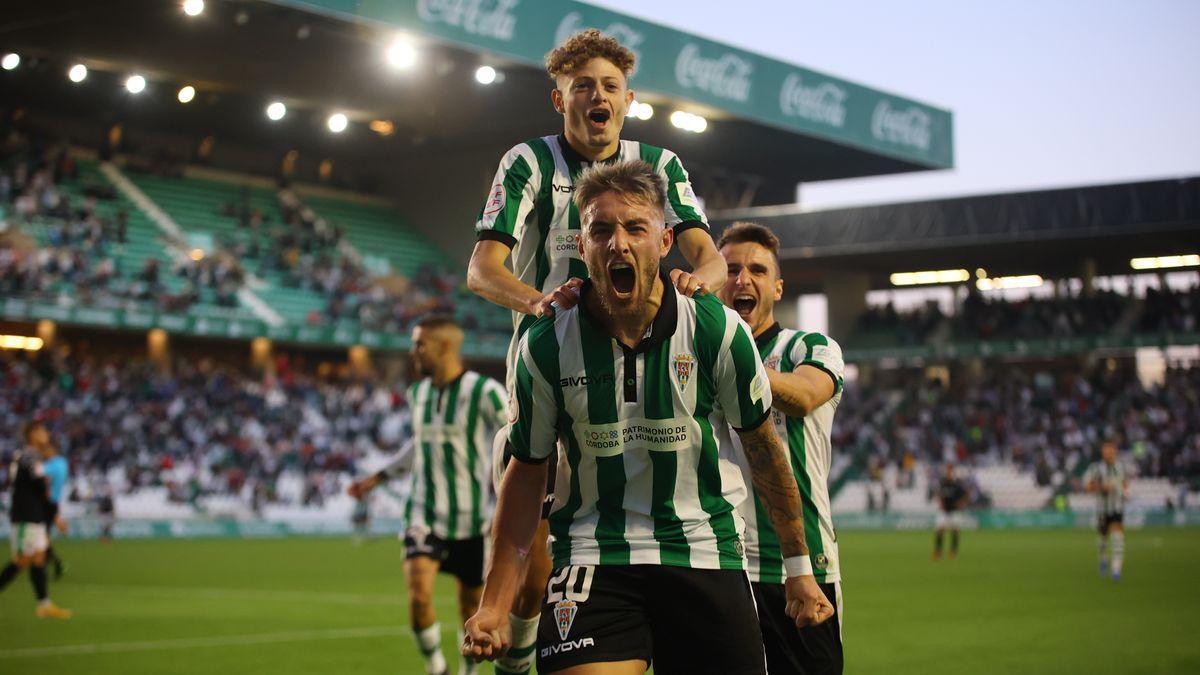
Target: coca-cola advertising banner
<point x="683" y="66"/>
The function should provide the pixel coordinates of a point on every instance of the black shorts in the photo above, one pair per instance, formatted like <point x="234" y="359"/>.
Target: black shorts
<point x="1107" y="520"/>
<point x="461" y="558"/>
<point x="678" y="619"/>
<point x="51" y="513"/>
<point x="815" y="650"/>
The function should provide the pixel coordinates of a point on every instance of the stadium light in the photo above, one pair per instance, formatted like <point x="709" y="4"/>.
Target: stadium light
<point x="1165" y="262"/>
<point x="401" y="53"/>
<point x="77" y="73"/>
<point x="1002" y="283"/>
<point x="187" y="94"/>
<point x="640" y="111"/>
<point x="276" y="111"/>
<point x="485" y="75"/>
<point x="929" y="277"/>
<point x="382" y="127"/>
<point x="30" y="344"/>
<point x="193" y="7"/>
<point x="10" y="61"/>
<point x="197" y="254"/>
<point x="136" y="84"/>
<point x="689" y="121"/>
<point x="337" y="123"/>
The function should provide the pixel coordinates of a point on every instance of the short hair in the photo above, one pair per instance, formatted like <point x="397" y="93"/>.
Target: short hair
<point x="27" y="429"/>
<point x="585" y="46"/>
<point x="632" y="179"/>
<point x="743" y="232"/>
<point x="437" y="322"/>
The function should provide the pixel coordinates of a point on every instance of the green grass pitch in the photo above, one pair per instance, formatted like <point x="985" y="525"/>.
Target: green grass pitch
<point x="1014" y="602"/>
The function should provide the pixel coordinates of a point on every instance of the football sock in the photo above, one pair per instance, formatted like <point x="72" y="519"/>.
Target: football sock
<point x="519" y="659"/>
<point x="937" y="541"/>
<point x="1118" y="553"/>
<point x="429" y="641"/>
<point x="8" y="574"/>
<point x="954" y="541"/>
<point x="1102" y="547"/>
<point x="37" y="576"/>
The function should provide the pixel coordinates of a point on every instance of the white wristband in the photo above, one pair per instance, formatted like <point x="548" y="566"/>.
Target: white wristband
<point x="797" y="566"/>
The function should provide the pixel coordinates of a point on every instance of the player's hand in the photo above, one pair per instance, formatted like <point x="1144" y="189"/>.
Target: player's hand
<point x="688" y="284"/>
<point x="487" y="635"/>
<point x="60" y="524"/>
<point x="359" y="488"/>
<point x="562" y="298"/>
<point x="806" y="603"/>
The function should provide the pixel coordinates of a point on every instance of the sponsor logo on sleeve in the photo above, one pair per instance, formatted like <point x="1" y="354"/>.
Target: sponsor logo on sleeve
<point x="495" y="201"/>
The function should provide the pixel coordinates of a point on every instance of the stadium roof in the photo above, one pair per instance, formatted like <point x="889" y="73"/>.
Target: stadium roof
<point x="1048" y="232"/>
<point x="772" y="124"/>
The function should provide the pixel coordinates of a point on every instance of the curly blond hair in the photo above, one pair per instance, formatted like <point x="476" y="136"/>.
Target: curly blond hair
<point x="585" y="46"/>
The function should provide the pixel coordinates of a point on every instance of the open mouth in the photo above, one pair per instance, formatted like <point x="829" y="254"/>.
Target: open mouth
<point x="599" y="116"/>
<point x="744" y="304"/>
<point x="622" y="277"/>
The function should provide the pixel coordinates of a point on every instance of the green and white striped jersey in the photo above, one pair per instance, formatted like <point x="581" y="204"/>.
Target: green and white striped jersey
<point x="648" y="474"/>
<point x="530" y="209"/>
<point x="450" y="491"/>
<point x="810" y="452"/>
<point x="1111" y="480"/>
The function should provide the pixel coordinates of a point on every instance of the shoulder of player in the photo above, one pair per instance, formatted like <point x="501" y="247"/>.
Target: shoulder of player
<point x="657" y="156"/>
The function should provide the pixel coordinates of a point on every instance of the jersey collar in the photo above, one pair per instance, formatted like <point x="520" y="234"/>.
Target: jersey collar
<point x="571" y="155"/>
<point x="763" y="340"/>
<point x="661" y="328"/>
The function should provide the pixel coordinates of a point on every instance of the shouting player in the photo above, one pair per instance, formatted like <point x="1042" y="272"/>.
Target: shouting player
<point x="29" y="512"/>
<point x="1109" y="479"/>
<point x="448" y="513"/>
<point x="530" y="217"/>
<point x="805" y="373"/>
<point x="640" y="384"/>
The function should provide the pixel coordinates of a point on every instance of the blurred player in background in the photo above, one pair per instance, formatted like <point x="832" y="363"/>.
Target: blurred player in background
<point x="805" y="372"/>
<point x="952" y="498"/>
<point x="640" y="383"/>
<point x="456" y="412"/>
<point x="57" y="473"/>
<point x="360" y="518"/>
<point x="1109" y="479"/>
<point x="530" y="216"/>
<point x="107" y="511"/>
<point x="29" y="512"/>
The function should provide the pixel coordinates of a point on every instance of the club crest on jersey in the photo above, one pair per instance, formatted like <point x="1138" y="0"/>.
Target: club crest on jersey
<point x="684" y="363"/>
<point x="771" y="363"/>
<point x="564" y="615"/>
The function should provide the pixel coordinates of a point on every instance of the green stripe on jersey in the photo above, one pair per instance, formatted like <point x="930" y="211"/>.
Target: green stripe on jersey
<point x="473" y="458"/>
<point x="668" y="528"/>
<point x="610" y="471"/>
<point x="543" y="208"/>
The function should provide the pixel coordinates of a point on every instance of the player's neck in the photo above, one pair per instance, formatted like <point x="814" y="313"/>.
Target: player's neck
<point x="447" y="373"/>
<point x="767" y="322"/>
<point x="629" y="327"/>
<point x="590" y="153"/>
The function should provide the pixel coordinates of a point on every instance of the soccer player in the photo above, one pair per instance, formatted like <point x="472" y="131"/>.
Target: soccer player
<point x="455" y="414"/>
<point x="530" y="216"/>
<point x="28" y="513"/>
<point x="640" y="384"/>
<point x="1109" y="479"/>
<point x="952" y="497"/>
<point x="805" y="372"/>
<point x="57" y="473"/>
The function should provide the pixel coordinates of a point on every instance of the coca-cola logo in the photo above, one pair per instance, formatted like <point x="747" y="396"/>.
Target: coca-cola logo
<point x="825" y="102"/>
<point x="486" y="18"/>
<point x="904" y="127"/>
<point x="572" y="23"/>
<point x="727" y="76"/>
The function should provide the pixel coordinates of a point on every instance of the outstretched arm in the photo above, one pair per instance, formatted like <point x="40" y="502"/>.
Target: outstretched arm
<point x="708" y="265"/>
<point x="489" y="278"/>
<point x="800" y="392"/>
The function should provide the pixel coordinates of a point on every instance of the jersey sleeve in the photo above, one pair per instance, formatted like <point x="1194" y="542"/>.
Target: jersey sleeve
<point x="822" y="352"/>
<point x="741" y="378"/>
<point x="398" y="464"/>
<point x="683" y="208"/>
<point x="494" y="406"/>
<point x="511" y="197"/>
<point x="532" y="434"/>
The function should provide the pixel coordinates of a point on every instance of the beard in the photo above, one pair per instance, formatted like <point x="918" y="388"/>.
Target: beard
<point x="621" y="309"/>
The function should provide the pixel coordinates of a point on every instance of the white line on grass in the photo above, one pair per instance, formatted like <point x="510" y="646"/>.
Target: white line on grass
<point x="216" y="641"/>
<point x="262" y="594"/>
